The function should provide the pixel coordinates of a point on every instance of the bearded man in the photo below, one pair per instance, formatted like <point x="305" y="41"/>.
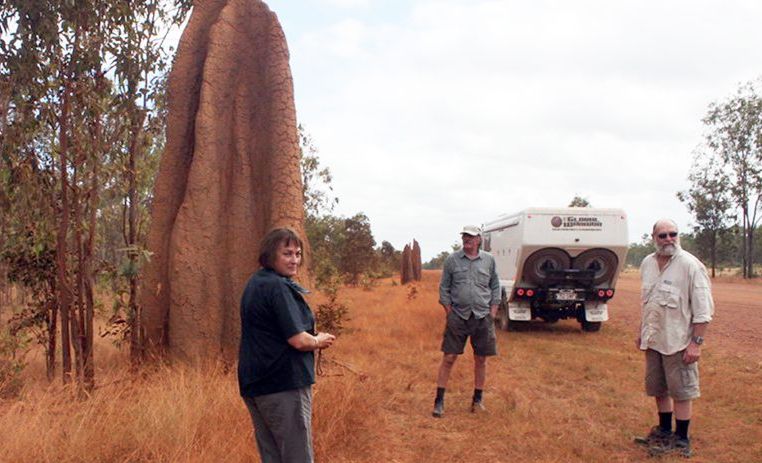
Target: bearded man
<point x="677" y="306"/>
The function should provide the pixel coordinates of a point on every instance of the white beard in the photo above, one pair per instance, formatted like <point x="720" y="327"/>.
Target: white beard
<point x="668" y="249"/>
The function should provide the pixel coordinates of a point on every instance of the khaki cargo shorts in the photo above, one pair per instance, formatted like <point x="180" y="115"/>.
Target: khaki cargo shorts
<point x="668" y="376"/>
<point x="480" y="330"/>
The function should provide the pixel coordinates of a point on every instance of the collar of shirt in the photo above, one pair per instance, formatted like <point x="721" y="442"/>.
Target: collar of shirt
<point x="671" y="259"/>
<point x="462" y="255"/>
<point x="289" y="282"/>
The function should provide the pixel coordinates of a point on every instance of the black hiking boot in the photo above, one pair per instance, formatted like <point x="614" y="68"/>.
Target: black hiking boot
<point x="656" y="437"/>
<point x="438" y="409"/>
<point x="478" y="407"/>
<point x="676" y="446"/>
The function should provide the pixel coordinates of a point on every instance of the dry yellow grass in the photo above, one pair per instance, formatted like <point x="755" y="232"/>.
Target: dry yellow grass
<point x="554" y="394"/>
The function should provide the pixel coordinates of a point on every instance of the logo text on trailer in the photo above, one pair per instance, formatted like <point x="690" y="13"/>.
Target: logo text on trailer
<point x="576" y="223"/>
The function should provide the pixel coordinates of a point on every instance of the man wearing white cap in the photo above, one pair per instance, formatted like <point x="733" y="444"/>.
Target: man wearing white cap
<point x="470" y="293"/>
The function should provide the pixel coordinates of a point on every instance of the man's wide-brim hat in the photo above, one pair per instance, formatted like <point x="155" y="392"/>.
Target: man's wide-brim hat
<point x="472" y="230"/>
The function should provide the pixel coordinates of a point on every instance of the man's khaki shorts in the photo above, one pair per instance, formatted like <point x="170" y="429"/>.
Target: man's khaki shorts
<point x="480" y="330"/>
<point x="669" y="376"/>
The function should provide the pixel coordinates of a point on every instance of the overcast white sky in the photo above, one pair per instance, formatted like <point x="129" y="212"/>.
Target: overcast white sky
<point x="436" y="113"/>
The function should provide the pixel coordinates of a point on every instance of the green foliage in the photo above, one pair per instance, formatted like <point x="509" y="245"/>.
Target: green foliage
<point x="708" y="198"/>
<point x="341" y="247"/>
<point x="30" y="264"/>
<point x="119" y="326"/>
<point x="12" y="363"/>
<point x="367" y="281"/>
<point x="709" y="201"/>
<point x="331" y="315"/>
<point x="388" y="260"/>
<point x="579" y="201"/>
<point x="357" y="255"/>
<point x="728" y="246"/>
<point x="637" y="251"/>
<point x="81" y="130"/>
<point x="436" y="262"/>
<point x="324" y="235"/>
<point x="316" y="180"/>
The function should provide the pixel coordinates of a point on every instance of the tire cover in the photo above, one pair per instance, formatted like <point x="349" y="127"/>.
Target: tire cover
<point x="603" y="261"/>
<point x="537" y="264"/>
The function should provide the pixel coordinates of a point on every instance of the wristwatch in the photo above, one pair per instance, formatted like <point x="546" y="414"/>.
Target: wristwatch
<point x="698" y="340"/>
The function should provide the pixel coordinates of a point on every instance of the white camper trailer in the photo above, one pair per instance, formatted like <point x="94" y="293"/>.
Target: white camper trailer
<point x="557" y="263"/>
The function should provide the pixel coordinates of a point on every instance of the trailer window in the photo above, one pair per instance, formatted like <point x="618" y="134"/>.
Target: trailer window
<point x="486" y="245"/>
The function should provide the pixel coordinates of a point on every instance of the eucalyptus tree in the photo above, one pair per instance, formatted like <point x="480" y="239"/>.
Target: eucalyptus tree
<point x="735" y="136"/>
<point x="317" y="188"/>
<point x="54" y="59"/>
<point x="709" y="201"/>
<point x="140" y="61"/>
<point x="35" y="136"/>
<point x="78" y="90"/>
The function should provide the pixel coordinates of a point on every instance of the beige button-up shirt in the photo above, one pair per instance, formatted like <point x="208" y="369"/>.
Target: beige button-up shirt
<point x="672" y="300"/>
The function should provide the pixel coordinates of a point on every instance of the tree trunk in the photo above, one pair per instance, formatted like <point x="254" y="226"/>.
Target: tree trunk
<point x="62" y="284"/>
<point x="136" y="349"/>
<point x="752" y="231"/>
<point x="750" y="247"/>
<point x="78" y="320"/>
<point x="744" y="234"/>
<point x="714" y="252"/>
<point x="92" y="202"/>
<point x="4" y="286"/>
<point x="50" y="351"/>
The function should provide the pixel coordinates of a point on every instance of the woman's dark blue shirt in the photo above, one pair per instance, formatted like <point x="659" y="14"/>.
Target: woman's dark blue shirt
<point x="272" y="311"/>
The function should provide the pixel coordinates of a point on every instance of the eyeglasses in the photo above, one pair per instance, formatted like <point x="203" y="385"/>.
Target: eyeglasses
<point x="664" y="235"/>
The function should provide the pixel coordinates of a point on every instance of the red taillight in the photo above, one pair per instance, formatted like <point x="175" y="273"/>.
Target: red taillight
<point x="610" y="292"/>
<point x="530" y="292"/>
<point x="601" y="293"/>
<point x="520" y="292"/>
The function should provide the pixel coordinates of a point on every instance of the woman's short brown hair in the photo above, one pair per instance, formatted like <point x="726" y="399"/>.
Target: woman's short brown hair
<point x="272" y="240"/>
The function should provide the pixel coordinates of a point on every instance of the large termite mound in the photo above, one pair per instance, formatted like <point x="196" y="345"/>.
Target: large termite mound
<point x="230" y="172"/>
<point x="411" y="263"/>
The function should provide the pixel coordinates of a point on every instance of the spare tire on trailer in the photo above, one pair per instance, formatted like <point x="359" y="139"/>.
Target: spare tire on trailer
<point x="538" y="264"/>
<point x="602" y="261"/>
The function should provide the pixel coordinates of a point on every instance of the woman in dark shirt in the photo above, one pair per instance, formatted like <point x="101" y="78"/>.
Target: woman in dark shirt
<point x="276" y="364"/>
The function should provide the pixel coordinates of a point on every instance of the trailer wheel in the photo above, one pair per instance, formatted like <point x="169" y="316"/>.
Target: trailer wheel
<point x="538" y="264"/>
<point x="502" y="319"/>
<point x="602" y="261"/>
<point x="590" y="327"/>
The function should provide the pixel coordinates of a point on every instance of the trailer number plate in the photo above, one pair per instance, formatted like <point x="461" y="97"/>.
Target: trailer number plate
<point x="566" y="295"/>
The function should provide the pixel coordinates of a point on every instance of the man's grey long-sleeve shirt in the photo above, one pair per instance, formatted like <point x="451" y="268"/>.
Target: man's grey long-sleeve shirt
<point x="469" y="285"/>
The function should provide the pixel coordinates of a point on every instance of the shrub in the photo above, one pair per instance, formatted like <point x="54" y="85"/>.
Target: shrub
<point x="12" y="363"/>
<point x="331" y="315"/>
